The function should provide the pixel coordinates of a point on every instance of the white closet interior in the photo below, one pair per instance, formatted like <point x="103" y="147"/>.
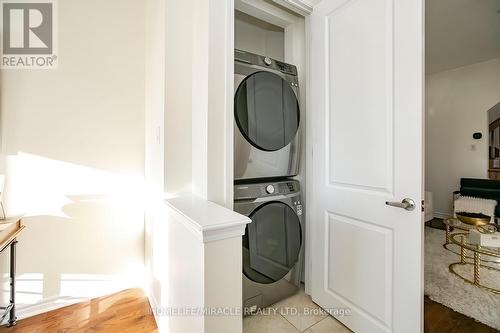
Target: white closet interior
<point x="257" y="36"/>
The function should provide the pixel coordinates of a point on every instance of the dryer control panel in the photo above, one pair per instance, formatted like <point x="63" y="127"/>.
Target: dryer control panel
<point x="268" y="189"/>
<point x="263" y="61"/>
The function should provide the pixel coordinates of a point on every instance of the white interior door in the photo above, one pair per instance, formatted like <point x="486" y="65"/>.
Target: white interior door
<point x="366" y="109"/>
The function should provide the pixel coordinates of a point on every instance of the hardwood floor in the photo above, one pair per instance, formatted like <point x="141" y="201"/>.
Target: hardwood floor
<point x="440" y="319"/>
<point x="129" y="311"/>
<point x="436" y="223"/>
<point x="126" y="311"/>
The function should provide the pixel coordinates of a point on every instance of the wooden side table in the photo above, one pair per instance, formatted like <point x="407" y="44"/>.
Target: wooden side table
<point x="9" y="230"/>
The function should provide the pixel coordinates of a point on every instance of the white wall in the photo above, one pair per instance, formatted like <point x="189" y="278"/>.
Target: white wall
<point x="74" y="137"/>
<point x="155" y="96"/>
<point x="457" y="105"/>
<point x="194" y="271"/>
<point x="223" y="267"/>
<point x="177" y="268"/>
<point x="258" y="37"/>
<point x="179" y="97"/>
<point x="155" y="125"/>
<point x="197" y="145"/>
<point x="198" y="110"/>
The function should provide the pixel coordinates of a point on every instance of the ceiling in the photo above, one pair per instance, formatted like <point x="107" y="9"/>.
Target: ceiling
<point x="461" y="32"/>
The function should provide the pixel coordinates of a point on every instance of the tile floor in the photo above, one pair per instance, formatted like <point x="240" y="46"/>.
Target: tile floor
<point x="307" y="318"/>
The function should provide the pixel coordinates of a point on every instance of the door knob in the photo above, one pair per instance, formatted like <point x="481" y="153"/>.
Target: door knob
<point x="407" y="204"/>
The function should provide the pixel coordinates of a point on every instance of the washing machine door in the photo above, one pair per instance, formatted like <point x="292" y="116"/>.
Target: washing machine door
<point x="271" y="243"/>
<point x="266" y="111"/>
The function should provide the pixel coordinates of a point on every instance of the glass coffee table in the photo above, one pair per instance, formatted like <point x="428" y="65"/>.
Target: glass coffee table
<point x="453" y="224"/>
<point x="461" y="239"/>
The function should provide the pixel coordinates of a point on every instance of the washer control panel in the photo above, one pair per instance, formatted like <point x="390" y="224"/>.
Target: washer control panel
<point x="270" y="189"/>
<point x="252" y="191"/>
<point x="298" y="207"/>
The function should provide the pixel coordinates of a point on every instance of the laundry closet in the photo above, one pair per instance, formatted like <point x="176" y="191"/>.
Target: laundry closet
<point x="269" y="150"/>
<point x="359" y="102"/>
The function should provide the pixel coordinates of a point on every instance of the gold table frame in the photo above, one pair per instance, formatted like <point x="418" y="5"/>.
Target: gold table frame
<point x="454" y="223"/>
<point x="478" y="251"/>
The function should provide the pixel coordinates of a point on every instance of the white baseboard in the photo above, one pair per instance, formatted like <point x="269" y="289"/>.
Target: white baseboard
<point x="441" y="215"/>
<point x="48" y="304"/>
<point x="154" y="308"/>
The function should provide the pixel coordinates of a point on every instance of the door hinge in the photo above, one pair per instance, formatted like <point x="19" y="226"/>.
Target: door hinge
<point x="423" y="205"/>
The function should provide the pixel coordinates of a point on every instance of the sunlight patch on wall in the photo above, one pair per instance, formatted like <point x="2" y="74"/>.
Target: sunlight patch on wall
<point x="94" y="285"/>
<point x="41" y="186"/>
<point x="84" y="228"/>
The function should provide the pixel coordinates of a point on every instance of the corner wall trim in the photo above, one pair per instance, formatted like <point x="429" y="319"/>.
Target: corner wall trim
<point x="210" y="221"/>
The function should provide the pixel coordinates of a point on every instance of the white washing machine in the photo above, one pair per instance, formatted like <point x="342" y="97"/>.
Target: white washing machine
<point x="273" y="250"/>
<point x="267" y="118"/>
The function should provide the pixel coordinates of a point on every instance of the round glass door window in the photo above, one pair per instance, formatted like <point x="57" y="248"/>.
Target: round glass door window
<point x="266" y="111"/>
<point x="271" y="243"/>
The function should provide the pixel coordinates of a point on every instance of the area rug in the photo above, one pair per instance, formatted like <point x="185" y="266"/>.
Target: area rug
<point x="445" y="288"/>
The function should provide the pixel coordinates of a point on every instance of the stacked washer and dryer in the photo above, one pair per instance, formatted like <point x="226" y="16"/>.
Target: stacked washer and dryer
<point x="266" y="156"/>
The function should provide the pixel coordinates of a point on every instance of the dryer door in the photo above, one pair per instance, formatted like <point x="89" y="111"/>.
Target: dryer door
<point x="266" y="111"/>
<point x="271" y="243"/>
